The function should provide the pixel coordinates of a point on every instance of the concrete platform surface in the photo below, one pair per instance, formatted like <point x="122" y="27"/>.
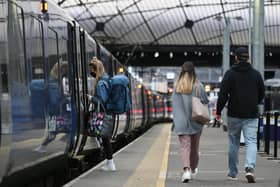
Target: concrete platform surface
<point x="153" y="160"/>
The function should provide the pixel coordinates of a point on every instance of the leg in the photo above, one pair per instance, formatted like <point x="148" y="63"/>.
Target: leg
<point x="250" y="129"/>
<point x="107" y="148"/>
<point x="185" y="145"/>
<point x="194" y="158"/>
<point x="110" y="165"/>
<point x="50" y="137"/>
<point x="234" y="130"/>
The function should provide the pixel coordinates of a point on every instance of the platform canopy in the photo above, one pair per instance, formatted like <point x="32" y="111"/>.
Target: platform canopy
<point x="171" y="22"/>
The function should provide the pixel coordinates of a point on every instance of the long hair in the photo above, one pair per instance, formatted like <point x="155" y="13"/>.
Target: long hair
<point x="59" y="68"/>
<point x="187" y="79"/>
<point x="97" y="65"/>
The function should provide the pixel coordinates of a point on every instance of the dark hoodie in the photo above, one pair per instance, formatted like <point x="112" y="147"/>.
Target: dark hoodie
<point x="243" y="88"/>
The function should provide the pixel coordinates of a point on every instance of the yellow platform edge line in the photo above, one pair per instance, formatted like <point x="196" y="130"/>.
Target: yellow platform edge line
<point x="164" y="165"/>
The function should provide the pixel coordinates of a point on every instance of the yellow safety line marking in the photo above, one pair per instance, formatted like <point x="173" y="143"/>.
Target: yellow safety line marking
<point x="147" y="172"/>
<point x="164" y="165"/>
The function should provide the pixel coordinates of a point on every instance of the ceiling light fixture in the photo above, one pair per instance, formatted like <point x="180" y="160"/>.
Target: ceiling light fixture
<point x="156" y="54"/>
<point x="171" y="55"/>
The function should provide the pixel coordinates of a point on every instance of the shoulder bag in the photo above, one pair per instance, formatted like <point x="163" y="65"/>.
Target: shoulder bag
<point x="100" y="124"/>
<point x="200" y="112"/>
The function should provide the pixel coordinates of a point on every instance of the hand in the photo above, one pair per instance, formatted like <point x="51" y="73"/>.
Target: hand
<point x="218" y="121"/>
<point x="89" y="97"/>
<point x="219" y="118"/>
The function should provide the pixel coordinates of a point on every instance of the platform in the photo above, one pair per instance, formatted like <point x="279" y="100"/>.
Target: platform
<point x="153" y="160"/>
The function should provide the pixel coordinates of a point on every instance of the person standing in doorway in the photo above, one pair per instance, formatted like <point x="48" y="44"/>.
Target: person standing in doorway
<point x="188" y="131"/>
<point x="96" y="69"/>
<point x="243" y="88"/>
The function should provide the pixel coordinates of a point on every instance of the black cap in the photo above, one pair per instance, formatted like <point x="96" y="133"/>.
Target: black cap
<point x="242" y="52"/>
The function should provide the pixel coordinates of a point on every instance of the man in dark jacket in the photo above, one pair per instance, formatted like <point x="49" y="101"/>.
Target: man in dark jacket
<point x="243" y="88"/>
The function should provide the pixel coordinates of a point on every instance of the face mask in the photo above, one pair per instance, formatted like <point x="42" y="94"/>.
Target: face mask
<point x="93" y="74"/>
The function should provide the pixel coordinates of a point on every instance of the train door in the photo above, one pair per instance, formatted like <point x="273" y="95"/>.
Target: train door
<point x="122" y="121"/>
<point x="143" y="104"/>
<point x="7" y="17"/>
<point x="16" y="119"/>
<point x="75" y="83"/>
<point x="86" y="54"/>
<point x="88" y="51"/>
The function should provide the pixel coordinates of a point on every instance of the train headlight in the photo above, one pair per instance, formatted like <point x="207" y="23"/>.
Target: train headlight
<point x="207" y="88"/>
<point x="139" y="86"/>
<point x="44" y="6"/>
<point x="121" y="70"/>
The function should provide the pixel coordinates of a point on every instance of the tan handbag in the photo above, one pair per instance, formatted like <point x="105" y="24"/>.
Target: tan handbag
<point x="200" y="112"/>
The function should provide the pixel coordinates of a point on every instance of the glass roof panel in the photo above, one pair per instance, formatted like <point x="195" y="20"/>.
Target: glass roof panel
<point x="171" y="20"/>
<point x="181" y="37"/>
<point x="157" y="4"/>
<point x="163" y="20"/>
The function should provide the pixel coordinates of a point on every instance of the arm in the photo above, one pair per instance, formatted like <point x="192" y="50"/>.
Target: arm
<point x="102" y="91"/>
<point x="203" y="95"/>
<point x="223" y="94"/>
<point x="261" y="89"/>
<point x="200" y="93"/>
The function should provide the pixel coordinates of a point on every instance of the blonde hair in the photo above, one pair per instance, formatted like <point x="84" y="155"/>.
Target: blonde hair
<point x="184" y="84"/>
<point x="186" y="80"/>
<point x="54" y="74"/>
<point x="98" y="67"/>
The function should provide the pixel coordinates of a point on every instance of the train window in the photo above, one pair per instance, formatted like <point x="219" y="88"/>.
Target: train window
<point x="16" y="44"/>
<point x="34" y="45"/>
<point x="3" y="50"/>
<point x="53" y="54"/>
<point x="269" y="74"/>
<point x="90" y="48"/>
<point x="106" y="58"/>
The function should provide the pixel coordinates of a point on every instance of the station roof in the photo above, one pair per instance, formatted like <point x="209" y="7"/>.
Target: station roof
<point x="171" y="22"/>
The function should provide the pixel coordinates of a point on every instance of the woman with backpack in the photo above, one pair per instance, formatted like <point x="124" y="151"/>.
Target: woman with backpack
<point x="188" y="131"/>
<point x="100" y="94"/>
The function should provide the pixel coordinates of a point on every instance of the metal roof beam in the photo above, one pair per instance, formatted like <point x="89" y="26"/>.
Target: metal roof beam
<point x="145" y="21"/>
<point x="184" y="12"/>
<point x="236" y="31"/>
<point x="166" y="34"/>
<point x="61" y="2"/>
<point x="225" y="17"/>
<point x="132" y="12"/>
<point x="187" y="5"/>
<point x="139" y="25"/>
<point x="152" y="10"/>
<point x="121" y="11"/>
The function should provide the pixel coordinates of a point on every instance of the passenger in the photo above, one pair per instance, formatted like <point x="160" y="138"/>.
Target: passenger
<point x="57" y="102"/>
<point x="243" y="87"/>
<point x="97" y="70"/>
<point x="187" y="130"/>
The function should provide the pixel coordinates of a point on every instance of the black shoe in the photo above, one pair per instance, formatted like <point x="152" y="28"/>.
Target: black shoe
<point x="250" y="175"/>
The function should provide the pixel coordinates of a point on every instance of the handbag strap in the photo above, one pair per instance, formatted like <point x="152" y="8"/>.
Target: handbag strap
<point x="196" y="89"/>
<point x="100" y="106"/>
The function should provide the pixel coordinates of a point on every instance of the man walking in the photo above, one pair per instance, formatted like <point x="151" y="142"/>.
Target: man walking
<point x="243" y="88"/>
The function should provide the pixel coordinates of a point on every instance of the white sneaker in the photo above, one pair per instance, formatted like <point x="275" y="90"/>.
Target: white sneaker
<point x="109" y="166"/>
<point x="40" y="149"/>
<point x="186" y="176"/>
<point x="194" y="173"/>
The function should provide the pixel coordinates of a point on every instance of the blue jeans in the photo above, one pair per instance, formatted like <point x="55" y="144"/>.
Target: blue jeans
<point x="249" y="126"/>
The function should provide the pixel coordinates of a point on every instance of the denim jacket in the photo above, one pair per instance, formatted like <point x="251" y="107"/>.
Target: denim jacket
<point x="102" y="90"/>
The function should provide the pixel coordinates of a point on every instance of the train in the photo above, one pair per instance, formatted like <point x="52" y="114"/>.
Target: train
<point x="44" y="82"/>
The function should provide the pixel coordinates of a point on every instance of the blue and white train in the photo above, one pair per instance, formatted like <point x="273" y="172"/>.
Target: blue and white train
<point x="43" y="86"/>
